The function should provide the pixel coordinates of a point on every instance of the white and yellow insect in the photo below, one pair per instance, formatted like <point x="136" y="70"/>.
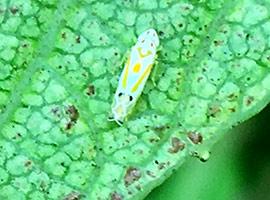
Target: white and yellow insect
<point x="135" y="74"/>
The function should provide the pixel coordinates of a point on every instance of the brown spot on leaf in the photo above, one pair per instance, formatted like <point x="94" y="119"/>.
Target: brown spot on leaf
<point x="186" y="8"/>
<point x="199" y="79"/>
<point x="218" y="42"/>
<point x="151" y="174"/>
<point x="249" y="100"/>
<point x="69" y="125"/>
<point x="55" y="111"/>
<point x="90" y="90"/>
<point x="28" y="163"/>
<point x="213" y="110"/>
<point x="161" y="165"/>
<point x="154" y="140"/>
<point x="17" y="136"/>
<point x="73" y="116"/>
<point x="232" y="96"/>
<point x="43" y="186"/>
<point x="73" y="113"/>
<point x="116" y="196"/>
<point x="195" y="137"/>
<point x="132" y="174"/>
<point x="203" y="156"/>
<point x="159" y="128"/>
<point x="177" y="145"/>
<point x="73" y="196"/>
<point x="14" y="10"/>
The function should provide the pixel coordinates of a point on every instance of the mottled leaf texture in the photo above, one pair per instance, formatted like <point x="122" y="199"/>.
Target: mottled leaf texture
<point x="59" y="66"/>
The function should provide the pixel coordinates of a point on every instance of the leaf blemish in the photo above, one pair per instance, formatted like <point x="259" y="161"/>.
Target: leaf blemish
<point x="14" y="10"/>
<point x="116" y="196"/>
<point x="73" y="196"/>
<point x="195" y="137"/>
<point x="90" y="90"/>
<point x="177" y="145"/>
<point x="73" y="113"/>
<point x="73" y="116"/>
<point x="151" y="174"/>
<point x="132" y="174"/>
<point x="249" y="100"/>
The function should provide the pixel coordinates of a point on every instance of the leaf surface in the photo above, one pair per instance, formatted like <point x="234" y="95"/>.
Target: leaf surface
<point x="59" y="66"/>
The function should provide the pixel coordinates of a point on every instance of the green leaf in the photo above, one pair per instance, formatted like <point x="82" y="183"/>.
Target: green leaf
<point x="227" y="173"/>
<point x="59" y="66"/>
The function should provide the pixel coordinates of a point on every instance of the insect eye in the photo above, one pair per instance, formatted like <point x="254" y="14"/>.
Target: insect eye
<point x="143" y="41"/>
<point x="120" y="94"/>
<point x="130" y="98"/>
<point x="152" y="45"/>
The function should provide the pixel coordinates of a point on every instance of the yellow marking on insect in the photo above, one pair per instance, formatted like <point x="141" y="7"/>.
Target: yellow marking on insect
<point x="148" y="53"/>
<point x="134" y="75"/>
<point x="137" y="67"/>
<point x="126" y="73"/>
<point x="119" y="109"/>
<point x="145" y="73"/>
